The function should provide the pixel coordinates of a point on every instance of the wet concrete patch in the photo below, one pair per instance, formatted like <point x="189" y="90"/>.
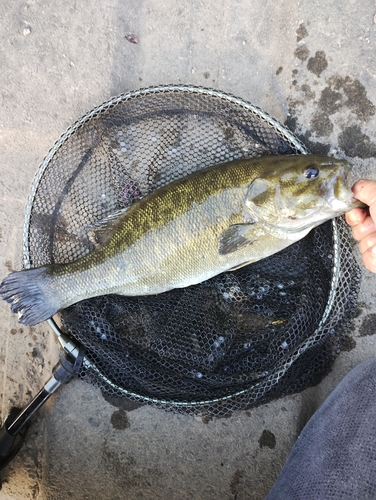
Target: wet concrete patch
<point x="267" y="439"/>
<point x="234" y="484"/>
<point x="368" y="327"/>
<point x="206" y="419"/>
<point x="321" y="124"/>
<point x="301" y="32"/>
<point x="318" y="63"/>
<point x="119" y="420"/>
<point x="339" y="106"/>
<point x="356" y="96"/>
<point x="315" y="147"/>
<point x="301" y="52"/>
<point x="9" y="265"/>
<point x="309" y="93"/>
<point x="330" y="101"/>
<point x="348" y="344"/>
<point x="355" y="143"/>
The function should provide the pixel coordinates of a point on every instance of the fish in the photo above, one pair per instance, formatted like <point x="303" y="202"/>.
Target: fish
<point x="214" y="220"/>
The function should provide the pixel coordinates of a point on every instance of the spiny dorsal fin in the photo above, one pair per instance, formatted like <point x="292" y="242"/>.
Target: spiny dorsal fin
<point x="100" y="231"/>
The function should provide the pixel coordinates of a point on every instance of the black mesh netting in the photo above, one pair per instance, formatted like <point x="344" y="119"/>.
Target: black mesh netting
<point x="237" y="340"/>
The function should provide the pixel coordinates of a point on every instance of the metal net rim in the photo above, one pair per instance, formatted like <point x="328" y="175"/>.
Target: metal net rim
<point x="72" y="348"/>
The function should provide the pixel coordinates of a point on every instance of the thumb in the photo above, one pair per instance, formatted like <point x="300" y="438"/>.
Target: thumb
<point x="365" y="191"/>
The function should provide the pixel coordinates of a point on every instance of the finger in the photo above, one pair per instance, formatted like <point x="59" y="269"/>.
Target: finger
<point x="367" y="227"/>
<point x="367" y="242"/>
<point x="369" y="259"/>
<point x="356" y="216"/>
<point x="365" y="191"/>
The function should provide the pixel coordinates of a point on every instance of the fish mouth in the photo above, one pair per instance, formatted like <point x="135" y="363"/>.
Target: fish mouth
<point x="337" y="192"/>
<point x="355" y="203"/>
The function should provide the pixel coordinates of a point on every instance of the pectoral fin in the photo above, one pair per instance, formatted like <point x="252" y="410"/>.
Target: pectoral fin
<point x="100" y="231"/>
<point x="235" y="237"/>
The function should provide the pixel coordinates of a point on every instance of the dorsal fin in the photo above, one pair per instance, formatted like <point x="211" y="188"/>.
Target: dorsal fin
<point x="100" y="231"/>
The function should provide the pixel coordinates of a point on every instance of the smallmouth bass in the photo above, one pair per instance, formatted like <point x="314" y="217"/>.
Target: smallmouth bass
<point x="214" y="220"/>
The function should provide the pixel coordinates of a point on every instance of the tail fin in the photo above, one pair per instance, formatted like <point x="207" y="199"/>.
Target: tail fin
<point x="29" y="295"/>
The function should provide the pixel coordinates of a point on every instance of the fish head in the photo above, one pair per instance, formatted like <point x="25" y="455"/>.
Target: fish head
<point x="300" y="193"/>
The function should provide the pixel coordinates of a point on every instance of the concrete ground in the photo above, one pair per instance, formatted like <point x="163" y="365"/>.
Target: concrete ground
<point x="310" y="64"/>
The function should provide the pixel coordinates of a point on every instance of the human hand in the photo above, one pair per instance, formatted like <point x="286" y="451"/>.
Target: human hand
<point x="363" y="222"/>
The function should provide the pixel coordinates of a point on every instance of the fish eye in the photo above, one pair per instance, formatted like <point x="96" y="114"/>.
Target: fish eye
<point x="312" y="172"/>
